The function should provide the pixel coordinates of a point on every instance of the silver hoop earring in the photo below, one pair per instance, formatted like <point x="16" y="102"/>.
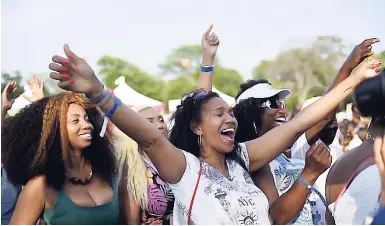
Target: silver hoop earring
<point x="200" y="140"/>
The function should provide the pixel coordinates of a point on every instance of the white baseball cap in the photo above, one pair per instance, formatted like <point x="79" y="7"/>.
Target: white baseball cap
<point x="263" y="90"/>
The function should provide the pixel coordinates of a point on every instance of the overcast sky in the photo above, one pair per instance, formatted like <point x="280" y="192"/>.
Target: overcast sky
<point x="144" y="32"/>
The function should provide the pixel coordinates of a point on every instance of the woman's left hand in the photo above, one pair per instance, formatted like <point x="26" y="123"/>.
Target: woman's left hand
<point x="74" y="74"/>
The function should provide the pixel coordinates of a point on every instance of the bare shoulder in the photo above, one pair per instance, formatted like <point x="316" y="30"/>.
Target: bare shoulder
<point x="37" y="184"/>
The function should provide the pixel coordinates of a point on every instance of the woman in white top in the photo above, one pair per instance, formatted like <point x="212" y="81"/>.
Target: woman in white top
<point x="204" y="128"/>
<point x="353" y="185"/>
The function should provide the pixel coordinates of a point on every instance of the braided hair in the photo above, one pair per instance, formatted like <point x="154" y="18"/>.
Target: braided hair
<point x="190" y="111"/>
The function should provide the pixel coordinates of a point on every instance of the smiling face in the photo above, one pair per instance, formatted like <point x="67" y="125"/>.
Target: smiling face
<point x="272" y="117"/>
<point x="79" y="127"/>
<point x="218" y="126"/>
<point x="155" y="118"/>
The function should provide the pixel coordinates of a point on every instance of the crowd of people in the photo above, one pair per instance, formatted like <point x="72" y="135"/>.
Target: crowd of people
<point x="83" y="157"/>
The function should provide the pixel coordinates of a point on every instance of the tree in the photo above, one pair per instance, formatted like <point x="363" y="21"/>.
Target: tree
<point x="113" y="67"/>
<point x="381" y="56"/>
<point x="226" y="80"/>
<point x="306" y="70"/>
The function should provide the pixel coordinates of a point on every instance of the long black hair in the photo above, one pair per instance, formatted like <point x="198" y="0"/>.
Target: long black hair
<point x="248" y="113"/>
<point x="190" y="110"/>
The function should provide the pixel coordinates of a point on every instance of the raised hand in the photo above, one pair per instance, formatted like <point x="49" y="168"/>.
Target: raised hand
<point x="367" y="69"/>
<point x="37" y="89"/>
<point x="318" y="160"/>
<point x="360" y="52"/>
<point x="74" y="74"/>
<point x="379" y="153"/>
<point x="6" y="100"/>
<point x="210" y="42"/>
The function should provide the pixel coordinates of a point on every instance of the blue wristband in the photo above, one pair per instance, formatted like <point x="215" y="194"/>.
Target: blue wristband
<point x="117" y="103"/>
<point x="207" y="68"/>
<point x="304" y="183"/>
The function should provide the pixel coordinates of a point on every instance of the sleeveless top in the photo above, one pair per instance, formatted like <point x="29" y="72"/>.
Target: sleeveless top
<point x="160" y="199"/>
<point x="66" y="212"/>
<point x="360" y="200"/>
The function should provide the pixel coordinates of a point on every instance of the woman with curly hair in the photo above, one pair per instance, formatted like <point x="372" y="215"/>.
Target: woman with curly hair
<point x="54" y="149"/>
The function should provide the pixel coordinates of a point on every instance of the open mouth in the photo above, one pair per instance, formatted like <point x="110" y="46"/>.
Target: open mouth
<point x="86" y="136"/>
<point x="228" y="134"/>
<point x="281" y="120"/>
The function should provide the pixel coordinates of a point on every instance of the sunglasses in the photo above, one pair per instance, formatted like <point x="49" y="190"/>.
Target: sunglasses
<point x="273" y="104"/>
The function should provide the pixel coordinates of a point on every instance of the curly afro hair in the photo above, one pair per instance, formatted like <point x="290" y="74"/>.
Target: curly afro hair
<point x="35" y="142"/>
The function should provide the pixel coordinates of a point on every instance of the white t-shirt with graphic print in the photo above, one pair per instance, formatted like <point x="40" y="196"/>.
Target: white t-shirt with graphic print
<point x="219" y="200"/>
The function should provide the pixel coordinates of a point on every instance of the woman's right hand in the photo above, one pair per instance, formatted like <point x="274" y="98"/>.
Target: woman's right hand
<point x="317" y="161"/>
<point x="74" y="74"/>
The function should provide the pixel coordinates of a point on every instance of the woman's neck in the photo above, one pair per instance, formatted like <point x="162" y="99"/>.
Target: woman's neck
<point x="78" y="163"/>
<point x="216" y="160"/>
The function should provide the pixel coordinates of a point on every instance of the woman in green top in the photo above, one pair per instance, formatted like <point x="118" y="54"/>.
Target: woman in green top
<point x="53" y="147"/>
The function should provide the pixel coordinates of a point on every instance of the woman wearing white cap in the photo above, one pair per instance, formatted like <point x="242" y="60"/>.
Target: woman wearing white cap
<point x="261" y="108"/>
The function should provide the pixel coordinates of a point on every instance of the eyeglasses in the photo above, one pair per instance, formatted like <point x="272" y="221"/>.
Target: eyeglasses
<point x="273" y="104"/>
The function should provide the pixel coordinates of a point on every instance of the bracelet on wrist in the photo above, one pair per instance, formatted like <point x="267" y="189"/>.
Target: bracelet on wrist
<point x="205" y="68"/>
<point x="307" y="185"/>
<point x="98" y="97"/>
<point x="117" y="103"/>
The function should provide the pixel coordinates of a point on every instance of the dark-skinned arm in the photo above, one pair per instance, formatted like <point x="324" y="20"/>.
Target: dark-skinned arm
<point x="289" y="205"/>
<point x="358" y="54"/>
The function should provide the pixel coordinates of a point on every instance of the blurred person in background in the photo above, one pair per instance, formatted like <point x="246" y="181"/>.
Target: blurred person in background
<point x="10" y="192"/>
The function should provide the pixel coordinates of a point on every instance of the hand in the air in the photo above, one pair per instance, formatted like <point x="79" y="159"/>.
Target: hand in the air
<point x="37" y="89"/>
<point x="360" y="52"/>
<point x="210" y="42"/>
<point x="74" y="74"/>
<point x="368" y="68"/>
<point x="6" y="96"/>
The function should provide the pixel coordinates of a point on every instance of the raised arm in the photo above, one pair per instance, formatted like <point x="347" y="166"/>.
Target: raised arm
<point x="210" y="43"/>
<point x="267" y="147"/>
<point x="6" y="99"/>
<point x="169" y="160"/>
<point x="359" y="53"/>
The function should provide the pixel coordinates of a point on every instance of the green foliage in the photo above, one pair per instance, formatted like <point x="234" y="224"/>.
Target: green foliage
<point x="112" y="68"/>
<point x="381" y="56"/>
<point x="306" y="70"/>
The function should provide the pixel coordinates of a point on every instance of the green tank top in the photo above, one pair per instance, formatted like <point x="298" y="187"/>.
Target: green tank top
<point x="66" y="212"/>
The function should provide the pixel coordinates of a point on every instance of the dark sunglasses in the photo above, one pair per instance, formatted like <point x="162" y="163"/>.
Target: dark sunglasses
<point x="273" y="104"/>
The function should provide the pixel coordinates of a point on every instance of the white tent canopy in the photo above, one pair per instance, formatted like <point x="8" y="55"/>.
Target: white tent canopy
<point x="134" y="99"/>
<point x="172" y="104"/>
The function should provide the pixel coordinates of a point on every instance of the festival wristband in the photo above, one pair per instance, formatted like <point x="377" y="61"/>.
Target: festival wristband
<point x="207" y="68"/>
<point x="117" y="103"/>
<point x="304" y="183"/>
